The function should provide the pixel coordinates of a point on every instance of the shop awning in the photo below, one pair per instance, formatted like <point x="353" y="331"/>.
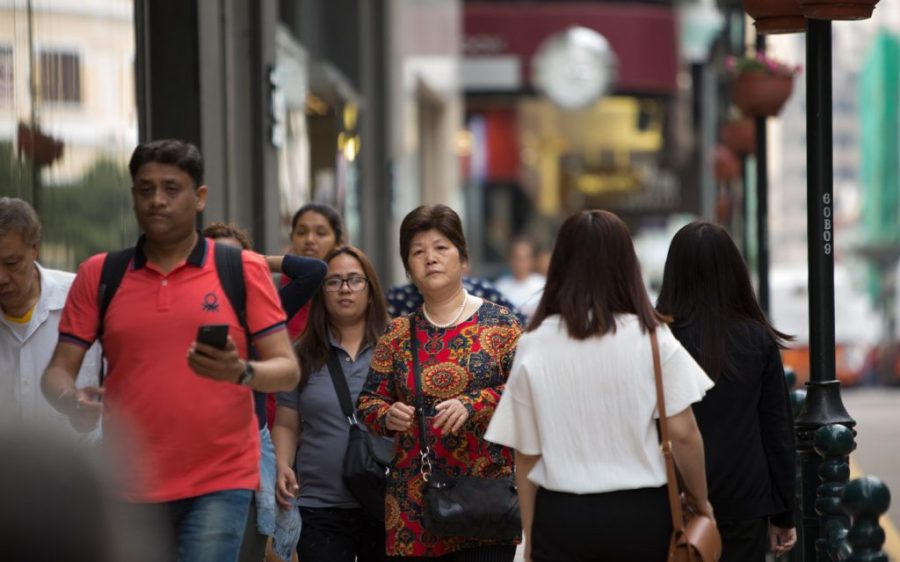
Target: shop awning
<point x="500" y="40"/>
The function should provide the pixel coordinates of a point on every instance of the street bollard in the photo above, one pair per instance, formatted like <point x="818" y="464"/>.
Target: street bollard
<point x="834" y="443"/>
<point x="796" y="395"/>
<point x="865" y="500"/>
<point x="790" y="376"/>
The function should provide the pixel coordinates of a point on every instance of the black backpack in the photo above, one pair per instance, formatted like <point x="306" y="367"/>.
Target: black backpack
<point x="228" y="265"/>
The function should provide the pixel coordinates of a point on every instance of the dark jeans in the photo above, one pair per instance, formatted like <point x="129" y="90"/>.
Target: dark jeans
<point x="623" y="526"/>
<point x="503" y="553"/>
<point x="332" y="534"/>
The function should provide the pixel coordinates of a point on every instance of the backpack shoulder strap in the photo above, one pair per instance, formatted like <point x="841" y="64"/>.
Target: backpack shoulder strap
<point x="114" y="266"/>
<point x="230" y="268"/>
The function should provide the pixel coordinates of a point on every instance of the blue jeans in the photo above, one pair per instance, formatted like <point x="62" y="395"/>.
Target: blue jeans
<point x="265" y="495"/>
<point x="209" y="528"/>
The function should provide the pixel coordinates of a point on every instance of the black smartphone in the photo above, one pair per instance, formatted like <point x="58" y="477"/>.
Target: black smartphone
<point x="215" y="335"/>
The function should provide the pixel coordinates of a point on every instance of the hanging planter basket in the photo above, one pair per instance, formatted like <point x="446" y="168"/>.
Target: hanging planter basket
<point x="739" y="136"/>
<point x="758" y="94"/>
<point x="726" y="165"/>
<point x="776" y="16"/>
<point x="838" y="9"/>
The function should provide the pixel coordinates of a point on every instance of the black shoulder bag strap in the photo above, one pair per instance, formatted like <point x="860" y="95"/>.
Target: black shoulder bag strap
<point x="230" y="268"/>
<point x="341" y="387"/>
<point x="424" y="451"/>
<point x="115" y="264"/>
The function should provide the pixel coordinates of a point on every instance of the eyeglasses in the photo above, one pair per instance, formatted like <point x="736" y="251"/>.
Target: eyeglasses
<point x="355" y="283"/>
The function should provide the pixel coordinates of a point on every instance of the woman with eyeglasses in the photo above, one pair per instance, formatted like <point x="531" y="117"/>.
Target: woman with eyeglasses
<point x="346" y="318"/>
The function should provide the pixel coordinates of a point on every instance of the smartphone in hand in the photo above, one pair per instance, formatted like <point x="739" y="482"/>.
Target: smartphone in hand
<point x="214" y="335"/>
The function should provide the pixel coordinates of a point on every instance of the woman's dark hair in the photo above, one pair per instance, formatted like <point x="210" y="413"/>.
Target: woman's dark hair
<point x="706" y="284"/>
<point x="183" y="155"/>
<point x="313" y="347"/>
<point x="227" y="230"/>
<point x="594" y="274"/>
<point x="437" y="217"/>
<point x="331" y="215"/>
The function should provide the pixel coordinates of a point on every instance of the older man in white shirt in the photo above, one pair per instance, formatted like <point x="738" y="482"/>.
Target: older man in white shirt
<point x="31" y="301"/>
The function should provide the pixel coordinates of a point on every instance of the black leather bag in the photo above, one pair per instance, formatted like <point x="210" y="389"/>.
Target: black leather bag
<point x="469" y="506"/>
<point x="365" y="463"/>
<point x="463" y="506"/>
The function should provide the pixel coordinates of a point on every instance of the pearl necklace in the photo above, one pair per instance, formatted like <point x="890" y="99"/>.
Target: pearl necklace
<point x="462" y="308"/>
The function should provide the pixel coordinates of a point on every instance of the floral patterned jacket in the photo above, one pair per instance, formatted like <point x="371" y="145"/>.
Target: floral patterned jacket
<point x="469" y="362"/>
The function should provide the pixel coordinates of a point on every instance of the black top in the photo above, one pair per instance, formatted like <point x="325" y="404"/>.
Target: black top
<point x="747" y="428"/>
<point x="306" y="275"/>
<point x="403" y="300"/>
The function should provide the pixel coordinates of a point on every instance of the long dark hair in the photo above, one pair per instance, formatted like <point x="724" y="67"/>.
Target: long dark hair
<point x="314" y="346"/>
<point x="594" y="274"/>
<point x="706" y="284"/>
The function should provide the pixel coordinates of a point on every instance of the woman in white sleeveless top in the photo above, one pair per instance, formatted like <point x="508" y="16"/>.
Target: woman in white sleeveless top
<point x="580" y="407"/>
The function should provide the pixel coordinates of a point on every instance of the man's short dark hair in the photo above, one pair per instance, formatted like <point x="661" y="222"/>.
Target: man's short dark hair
<point x="184" y="155"/>
<point x="17" y="215"/>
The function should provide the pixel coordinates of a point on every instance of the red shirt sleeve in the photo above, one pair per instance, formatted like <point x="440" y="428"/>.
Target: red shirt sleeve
<point x="264" y="312"/>
<point x="81" y="314"/>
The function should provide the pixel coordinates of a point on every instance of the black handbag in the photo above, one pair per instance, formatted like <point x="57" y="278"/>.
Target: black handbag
<point x="463" y="506"/>
<point x="365" y="466"/>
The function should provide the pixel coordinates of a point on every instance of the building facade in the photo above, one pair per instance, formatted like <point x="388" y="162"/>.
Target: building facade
<point x="352" y="103"/>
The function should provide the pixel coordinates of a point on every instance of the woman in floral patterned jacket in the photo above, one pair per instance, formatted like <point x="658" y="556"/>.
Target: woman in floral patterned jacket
<point x="465" y="348"/>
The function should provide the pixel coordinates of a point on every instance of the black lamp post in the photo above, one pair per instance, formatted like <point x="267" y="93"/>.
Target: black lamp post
<point x="762" y="200"/>
<point x="823" y="404"/>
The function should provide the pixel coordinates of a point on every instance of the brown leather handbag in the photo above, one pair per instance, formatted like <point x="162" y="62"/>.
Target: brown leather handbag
<point x="695" y="537"/>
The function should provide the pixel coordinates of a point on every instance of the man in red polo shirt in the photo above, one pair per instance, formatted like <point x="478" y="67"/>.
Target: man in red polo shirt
<point x="185" y="408"/>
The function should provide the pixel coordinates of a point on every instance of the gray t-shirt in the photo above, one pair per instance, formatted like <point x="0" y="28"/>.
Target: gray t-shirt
<point x="323" y="441"/>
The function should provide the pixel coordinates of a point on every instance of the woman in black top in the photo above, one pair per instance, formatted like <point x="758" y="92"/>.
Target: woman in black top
<point x="745" y="419"/>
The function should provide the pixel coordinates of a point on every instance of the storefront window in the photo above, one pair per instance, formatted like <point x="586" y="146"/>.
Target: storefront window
<point x="68" y="121"/>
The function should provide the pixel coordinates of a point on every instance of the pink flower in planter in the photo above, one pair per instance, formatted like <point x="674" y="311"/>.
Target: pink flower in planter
<point x="760" y="63"/>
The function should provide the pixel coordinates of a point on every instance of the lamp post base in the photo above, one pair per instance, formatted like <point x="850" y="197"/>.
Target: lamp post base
<point x="823" y="406"/>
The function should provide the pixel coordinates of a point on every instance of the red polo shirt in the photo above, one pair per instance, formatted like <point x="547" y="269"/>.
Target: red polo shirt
<point x="186" y="435"/>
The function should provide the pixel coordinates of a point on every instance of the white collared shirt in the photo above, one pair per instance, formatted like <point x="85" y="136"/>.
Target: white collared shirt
<point x="25" y="351"/>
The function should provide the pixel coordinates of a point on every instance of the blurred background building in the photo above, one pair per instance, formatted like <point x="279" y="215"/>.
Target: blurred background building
<point x="529" y="162"/>
<point x="68" y="120"/>
<point x="377" y="106"/>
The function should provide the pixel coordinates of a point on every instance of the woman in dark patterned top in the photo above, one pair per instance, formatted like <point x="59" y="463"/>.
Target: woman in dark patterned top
<point x="465" y="347"/>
